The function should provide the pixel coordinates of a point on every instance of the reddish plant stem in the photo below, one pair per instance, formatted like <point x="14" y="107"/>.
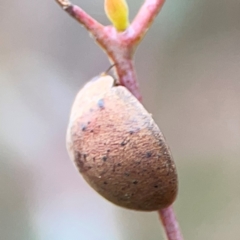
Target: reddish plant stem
<point x="145" y="18"/>
<point x="170" y="224"/>
<point x="93" y="26"/>
<point x="120" y="52"/>
<point x="120" y="48"/>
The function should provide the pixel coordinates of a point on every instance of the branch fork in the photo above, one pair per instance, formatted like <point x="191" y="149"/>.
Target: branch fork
<point x="119" y="46"/>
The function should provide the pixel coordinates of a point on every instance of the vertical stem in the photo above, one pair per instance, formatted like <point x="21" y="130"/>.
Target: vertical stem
<point x="170" y="224"/>
<point x="127" y="76"/>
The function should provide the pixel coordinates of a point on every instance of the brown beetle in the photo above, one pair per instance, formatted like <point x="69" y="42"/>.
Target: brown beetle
<point x="119" y="149"/>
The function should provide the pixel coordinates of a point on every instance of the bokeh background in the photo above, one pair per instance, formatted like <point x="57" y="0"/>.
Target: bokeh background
<point x="188" y="67"/>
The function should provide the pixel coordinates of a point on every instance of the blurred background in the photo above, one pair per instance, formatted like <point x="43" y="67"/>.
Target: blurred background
<point x="188" y="67"/>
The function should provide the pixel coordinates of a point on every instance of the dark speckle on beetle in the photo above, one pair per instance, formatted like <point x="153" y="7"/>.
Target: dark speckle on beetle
<point x="161" y="142"/>
<point x="101" y="104"/>
<point x="124" y="142"/>
<point x="148" y="154"/>
<point x="84" y="127"/>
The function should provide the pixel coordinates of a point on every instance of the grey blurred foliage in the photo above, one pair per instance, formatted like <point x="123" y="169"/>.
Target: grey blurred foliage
<point x="189" y="72"/>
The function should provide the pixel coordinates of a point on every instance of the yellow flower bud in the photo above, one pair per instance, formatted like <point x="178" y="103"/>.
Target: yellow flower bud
<point x="117" y="12"/>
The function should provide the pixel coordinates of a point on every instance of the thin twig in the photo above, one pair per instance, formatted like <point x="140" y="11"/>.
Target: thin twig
<point x="93" y="26"/>
<point x="170" y="224"/>
<point x="145" y="18"/>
